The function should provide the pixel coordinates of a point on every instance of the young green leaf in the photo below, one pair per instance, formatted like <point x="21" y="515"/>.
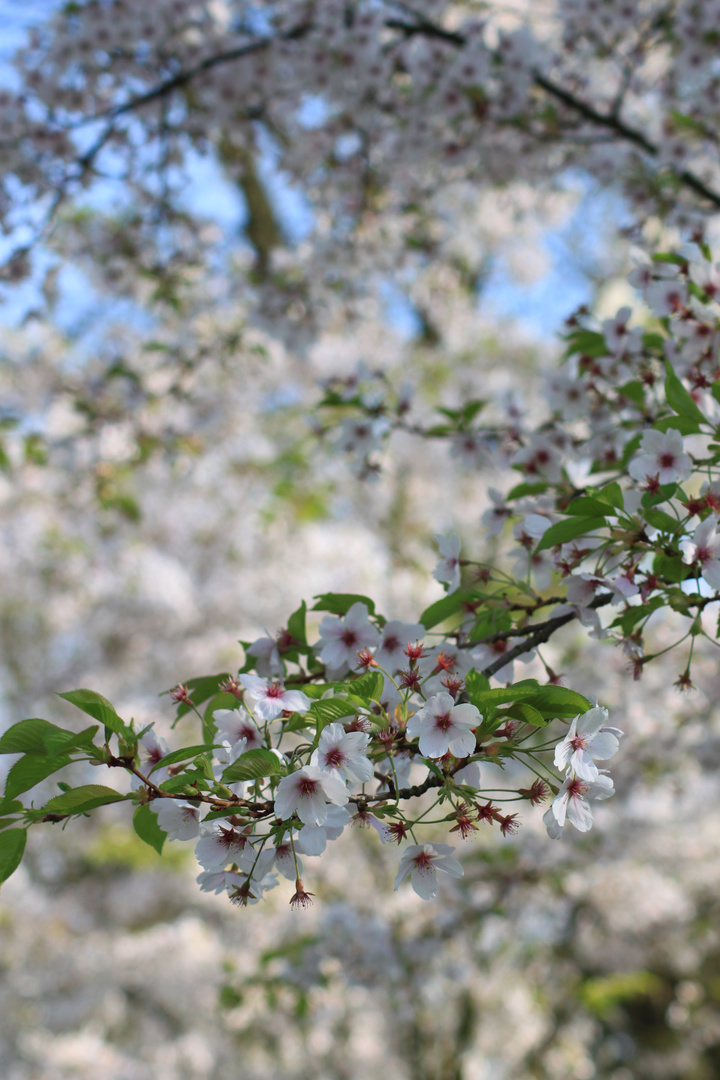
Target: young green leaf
<point x="252" y="765"/>
<point x="12" y="846"/>
<point x="145" y="823"/>
<point x="81" y="799"/>
<point x="98" y="707"/>
<point x="570" y="529"/>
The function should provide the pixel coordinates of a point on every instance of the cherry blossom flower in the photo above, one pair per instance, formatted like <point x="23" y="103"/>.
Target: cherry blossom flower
<point x="662" y="455"/>
<point x="495" y="517"/>
<point x="572" y="801"/>
<point x="448" y="569"/>
<point x="220" y="844"/>
<point x="586" y="740"/>
<point x="236" y="724"/>
<point x="343" y="753"/>
<point x="271" y="699"/>
<point x="341" y="639"/>
<point x="180" y="820"/>
<point x="421" y="862"/>
<point x="312" y="839"/>
<point x="266" y="654"/>
<point x="308" y="791"/>
<point x="705" y="549"/>
<point x="395" y="636"/>
<point x="442" y="725"/>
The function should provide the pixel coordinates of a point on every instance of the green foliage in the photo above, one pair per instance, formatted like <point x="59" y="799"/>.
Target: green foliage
<point x="12" y="846"/>
<point x="253" y="765"/>
<point x="571" y="529"/>
<point x="146" y="826"/>
<point x="340" y="603"/>
<point x="82" y="799"/>
<point x="99" y="708"/>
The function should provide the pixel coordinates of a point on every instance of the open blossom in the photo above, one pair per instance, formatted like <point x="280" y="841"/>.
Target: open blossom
<point x="180" y="820"/>
<point x="422" y="862"/>
<point x="705" y="549"/>
<point x="236" y="724"/>
<point x="495" y="517"/>
<point x="341" y="639"/>
<point x="661" y="454"/>
<point x="572" y="803"/>
<point x="308" y="791"/>
<point x="441" y="725"/>
<point x="395" y="637"/>
<point x="220" y="844"/>
<point x="266" y="654"/>
<point x="271" y="699"/>
<point x="448" y="569"/>
<point x="585" y="741"/>
<point x="312" y="839"/>
<point x="343" y="753"/>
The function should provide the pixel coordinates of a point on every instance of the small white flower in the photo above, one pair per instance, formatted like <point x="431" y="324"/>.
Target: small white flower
<point x="421" y="862"/>
<point x="341" y="639"/>
<point x="705" y="549"/>
<point x="572" y="801"/>
<point x="395" y="636"/>
<point x="267" y="656"/>
<point x="343" y="753"/>
<point x="585" y="741"/>
<point x="312" y="839"/>
<point x="236" y="724"/>
<point x="494" y="519"/>
<point x="308" y="792"/>
<point x="180" y="820"/>
<point x="443" y="726"/>
<point x="448" y="569"/>
<point x="661" y="454"/>
<point x="220" y="845"/>
<point x="271" y="699"/>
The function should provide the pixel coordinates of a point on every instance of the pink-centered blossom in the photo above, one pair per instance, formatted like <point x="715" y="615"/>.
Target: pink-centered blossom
<point x="395" y="636"/>
<point x="422" y="862"/>
<point x="443" y="726"/>
<point x="448" y="569"/>
<point x="585" y="741"/>
<point x="572" y="803"/>
<point x="342" y="638"/>
<point x="271" y="698"/>
<point x="343" y="753"/>
<point x="662" y="455"/>
<point x="308" y="792"/>
<point x="704" y="548"/>
<point x="236" y="724"/>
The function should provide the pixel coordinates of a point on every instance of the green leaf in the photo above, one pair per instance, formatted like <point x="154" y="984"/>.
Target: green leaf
<point x="183" y="754"/>
<point x="98" y="707"/>
<point x="660" y="520"/>
<point x="634" y="391"/>
<point x="588" y="343"/>
<point x="550" y="701"/>
<point x="367" y="688"/>
<point x="527" y="714"/>
<point x="340" y="603"/>
<point x="520" y="491"/>
<point x="613" y="494"/>
<point x="587" y="507"/>
<point x="296" y="624"/>
<point x="683" y="424"/>
<point x="34" y="736"/>
<point x="10" y="806"/>
<point x="671" y="568"/>
<point x="252" y="765"/>
<point x="145" y="823"/>
<point x="475" y="684"/>
<point x="329" y="710"/>
<point x="633" y="615"/>
<point x="12" y="846"/>
<point x="679" y="399"/>
<point x="569" y="530"/>
<point x="30" y="770"/>
<point x="81" y="799"/>
<point x="446" y="607"/>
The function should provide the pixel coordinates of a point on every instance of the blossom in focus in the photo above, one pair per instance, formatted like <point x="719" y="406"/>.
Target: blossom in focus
<point x="271" y="699"/>
<point x="572" y="802"/>
<point x="180" y="820"/>
<point x="236" y="724"/>
<point x="585" y="741"/>
<point x="341" y="639"/>
<point x="661" y="454"/>
<point x="220" y="844"/>
<point x="395" y="636"/>
<point x="312" y="839"/>
<point x="308" y="791"/>
<point x="443" y="726"/>
<point x="705" y="549"/>
<point x="448" y="569"/>
<point x="343" y="753"/>
<point x="422" y="862"/>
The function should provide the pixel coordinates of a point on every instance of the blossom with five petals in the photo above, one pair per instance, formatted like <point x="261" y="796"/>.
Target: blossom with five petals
<point x="441" y="725"/>
<point x="421" y="862"/>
